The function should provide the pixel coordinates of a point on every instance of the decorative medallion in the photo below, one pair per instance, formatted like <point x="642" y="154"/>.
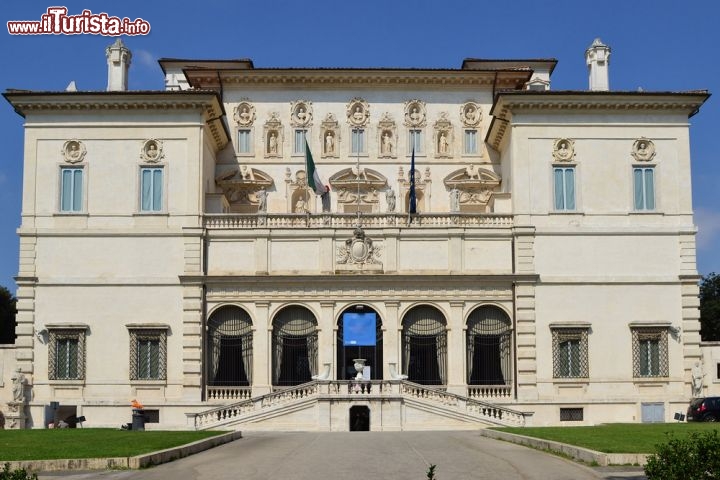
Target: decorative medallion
<point x="358" y="112"/>
<point x="415" y="113"/>
<point x="643" y="150"/>
<point x="470" y="114"/>
<point x="244" y="114"/>
<point x="564" y="150"/>
<point x="74" y="151"/>
<point x="358" y="250"/>
<point x="152" y="151"/>
<point x="387" y="133"/>
<point x="301" y="113"/>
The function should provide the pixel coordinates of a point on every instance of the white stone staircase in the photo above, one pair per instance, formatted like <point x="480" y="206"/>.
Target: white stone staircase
<point x="323" y="405"/>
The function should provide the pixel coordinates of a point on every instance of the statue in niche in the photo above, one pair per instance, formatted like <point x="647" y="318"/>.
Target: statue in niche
<point x="454" y="200"/>
<point x="262" y="200"/>
<point x="697" y="380"/>
<point x="272" y="143"/>
<point x="18" y="387"/>
<point x="390" y="199"/>
<point x="387" y="145"/>
<point x="443" y="144"/>
<point x="301" y="206"/>
<point x="329" y="144"/>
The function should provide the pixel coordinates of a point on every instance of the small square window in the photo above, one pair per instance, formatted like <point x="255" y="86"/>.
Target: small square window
<point x="571" y="414"/>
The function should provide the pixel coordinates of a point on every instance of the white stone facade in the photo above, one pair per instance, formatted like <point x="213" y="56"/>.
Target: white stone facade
<point x="559" y="222"/>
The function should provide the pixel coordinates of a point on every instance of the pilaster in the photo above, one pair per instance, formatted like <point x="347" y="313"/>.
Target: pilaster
<point x="326" y="333"/>
<point x="261" y="349"/>
<point x="391" y="338"/>
<point x="526" y="341"/>
<point x="192" y="340"/>
<point x="456" y="349"/>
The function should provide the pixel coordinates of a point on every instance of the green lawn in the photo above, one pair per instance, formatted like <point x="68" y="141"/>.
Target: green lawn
<point x="89" y="442"/>
<point x="616" y="437"/>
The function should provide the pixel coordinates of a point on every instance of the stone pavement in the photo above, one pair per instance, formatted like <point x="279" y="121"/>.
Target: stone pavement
<point x="365" y="455"/>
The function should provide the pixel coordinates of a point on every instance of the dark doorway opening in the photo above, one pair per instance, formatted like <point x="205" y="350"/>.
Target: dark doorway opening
<point x="359" y="418"/>
<point x="372" y="351"/>
<point x="423" y="363"/>
<point x="295" y="366"/>
<point x="486" y="366"/>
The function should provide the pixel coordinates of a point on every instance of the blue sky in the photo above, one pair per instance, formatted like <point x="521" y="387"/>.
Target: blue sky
<point x="657" y="45"/>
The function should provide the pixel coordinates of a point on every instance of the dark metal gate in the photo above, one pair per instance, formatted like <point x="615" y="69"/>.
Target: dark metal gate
<point x="425" y="346"/>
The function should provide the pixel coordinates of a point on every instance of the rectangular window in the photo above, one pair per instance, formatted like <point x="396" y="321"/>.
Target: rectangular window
<point x="71" y="190"/>
<point x="570" y="352"/>
<point x="243" y="141"/>
<point x="358" y="141"/>
<point x="644" y="188"/>
<point x="299" y="143"/>
<point x="650" y="352"/>
<point x="148" y="354"/>
<point x="416" y="142"/>
<point x="564" y="178"/>
<point x="571" y="414"/>
<point x="471" y="142"/>
<point x="151" y="189"/>
<point x="66" y="354"/>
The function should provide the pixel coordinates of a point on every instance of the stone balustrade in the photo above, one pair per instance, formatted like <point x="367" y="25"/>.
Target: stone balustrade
<point x="346" y="220"/>
<point x="227" y="394"/>
<point x="495" y="392"/>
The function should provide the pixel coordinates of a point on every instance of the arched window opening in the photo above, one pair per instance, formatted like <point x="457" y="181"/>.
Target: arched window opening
<point x="229" y="348"/>
<point x="294" y="346"/>
<point x="359" y="335"/>
<point x="489" y="359"/>
<point x="425" y="346"/>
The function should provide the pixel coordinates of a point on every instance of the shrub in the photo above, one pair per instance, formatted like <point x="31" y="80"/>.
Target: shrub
<point x="693" y="458"/>
<point x="17" y="474"/>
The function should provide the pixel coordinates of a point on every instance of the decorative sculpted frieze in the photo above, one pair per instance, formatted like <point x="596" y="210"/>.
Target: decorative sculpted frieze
<point x="152" y="151"/>
<point x="244" y="114"/>
<point x="74" y="151"/>
<point x="358" y="112"/>
<point x="643" y="150"/>
<point x="358" y="250"/>
<point x="564" y="150"/>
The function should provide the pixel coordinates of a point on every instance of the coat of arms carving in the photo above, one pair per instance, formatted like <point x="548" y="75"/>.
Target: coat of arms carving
<point x="358" y="250"/>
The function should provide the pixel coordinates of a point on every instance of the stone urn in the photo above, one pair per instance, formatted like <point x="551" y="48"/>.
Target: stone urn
<point x="359" y="366"/>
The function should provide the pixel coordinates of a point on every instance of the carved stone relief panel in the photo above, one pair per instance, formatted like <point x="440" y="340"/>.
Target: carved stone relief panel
<point x="358" y="250"/>
<point x="358" y="112"/>
<point x="470" y="114"/>
<point x="300" y="196"/>
<point x="415" y="114"/>
<point x="358" y="189"/>
<point x="643" y="150"/>
<point x="244" y="114"/>
<point x="273" y="135"/>
<point x="422" y="189"/>
<point x="152" y="151"/>
<point x="301" y="113"/>
<point x="74" y="151"/>
<point x="564" y="150"/>
<point x="330" y="136"/>
<point x="245" y="189"/>
<point x="444" y="138"/>
<point x="471" y="189"/>
<point x="387" y="135"/>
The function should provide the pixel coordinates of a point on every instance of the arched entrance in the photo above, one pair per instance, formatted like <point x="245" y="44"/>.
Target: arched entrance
<point x="489" y="360"/>
<point x="294" y="346"/>
<point x="359" y="335"/>
<point x="425" y="345"/>
<point x="359" y="418"/>
<point x="229" y="349"/>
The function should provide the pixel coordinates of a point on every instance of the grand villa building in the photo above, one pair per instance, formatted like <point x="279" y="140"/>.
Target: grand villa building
<point x="175" y="249"/>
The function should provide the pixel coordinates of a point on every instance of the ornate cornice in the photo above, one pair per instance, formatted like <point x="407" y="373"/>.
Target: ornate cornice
<point x="507" y="103"/>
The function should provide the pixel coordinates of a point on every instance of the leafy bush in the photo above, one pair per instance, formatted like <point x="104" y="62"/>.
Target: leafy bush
<point x="17" y="474"/>
<point x="692" y="458"/>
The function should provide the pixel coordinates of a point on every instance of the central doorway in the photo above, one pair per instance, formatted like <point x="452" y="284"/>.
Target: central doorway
<point x="359" y="418"/>
<point x="359" y="335"/>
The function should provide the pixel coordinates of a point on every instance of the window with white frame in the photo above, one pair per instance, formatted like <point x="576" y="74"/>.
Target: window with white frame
<point x="570" y="352"/>
<point x="471" y="146"/>
<point x="148" y="353"/>
<point x="564" y="188"/>
<point x="650" y="352"/>
<point x="151" y="189"/>
<point x="358" y="144"/>
<point x="71" y="189"/>
<point x="415" y="137"/>
<point x="66" y="353"/>
<point x="243" y="145"/>
<point x="299" y="142"/>
<point x="644" y="188"/>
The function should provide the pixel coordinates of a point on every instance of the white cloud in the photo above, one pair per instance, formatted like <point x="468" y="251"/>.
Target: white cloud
<point x="708" y="222"/>
<point x="144" y="58"/>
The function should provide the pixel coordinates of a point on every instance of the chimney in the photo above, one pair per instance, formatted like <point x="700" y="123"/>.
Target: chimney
<point x="118" y="59"/>
<point x="597" y="57"/>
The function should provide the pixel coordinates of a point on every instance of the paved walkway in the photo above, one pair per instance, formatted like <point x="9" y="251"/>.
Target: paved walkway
<point x="362" y="456"/>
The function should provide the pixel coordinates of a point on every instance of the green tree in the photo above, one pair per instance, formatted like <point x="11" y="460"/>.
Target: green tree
<point x="8" y="310"/>
<point x="710" y="307"/>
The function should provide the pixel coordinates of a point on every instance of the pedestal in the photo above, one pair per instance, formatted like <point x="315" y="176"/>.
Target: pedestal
<point x="15" y="416"/>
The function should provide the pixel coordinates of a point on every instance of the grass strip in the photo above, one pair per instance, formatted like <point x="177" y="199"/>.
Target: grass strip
<point x="45" y="444"/>
<point x="615" y="437"/>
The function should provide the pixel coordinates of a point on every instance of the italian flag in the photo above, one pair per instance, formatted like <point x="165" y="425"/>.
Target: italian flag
<point x="313" y="177"/>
